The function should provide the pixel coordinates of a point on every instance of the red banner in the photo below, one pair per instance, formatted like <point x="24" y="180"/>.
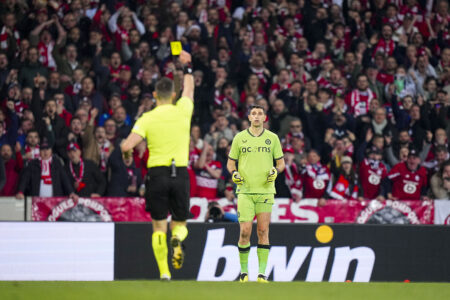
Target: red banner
<point x="89" y="209"/>
<point x="284" y="210"/>
<point x="353" y="211"/>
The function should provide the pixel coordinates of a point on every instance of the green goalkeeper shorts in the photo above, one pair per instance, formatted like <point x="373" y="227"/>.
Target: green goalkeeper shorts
<point x="249" y="205"/>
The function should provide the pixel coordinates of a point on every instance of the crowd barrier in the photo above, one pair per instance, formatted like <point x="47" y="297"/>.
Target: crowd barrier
<point x="307" y="252"/>
<point x="284" y="210"/>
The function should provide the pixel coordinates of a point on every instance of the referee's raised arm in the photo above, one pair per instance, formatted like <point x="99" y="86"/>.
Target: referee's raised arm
<point x="188" y="80"/>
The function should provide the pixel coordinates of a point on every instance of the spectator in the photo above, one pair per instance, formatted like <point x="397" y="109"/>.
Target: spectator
<point x="196" y="136"/>
<point x="111" y="131"/>
<point x="380" y="124"/>
<point x="114" y="102"/>
<point x="296" y="130"/>
<point x="140" y="156"/>
<point x="218" y="130"/>
<point x="8" y="134"/>
<point x="207" y="173"/>
<point x="407" y="180"/>
<point x="87" y="92"/>
<point x="121" y="28"/>
<point x="2" y="174"/>
<point x="84" y="175"/>
<point x="221" y="154"/>
<point x="120" y="117"/>
<point x="12" y="168"/>
<point x="399" y="151"/>
<point x="417" y="126"/>
<point x="372" y="172"/>
<point x="31" y="69"/>
<point x="124" y="179"/>
<point x="336" y="154"/>
<point x="53" y="180"/>
<point x="345" y="184"/>
<point x="359" y="99"/>
<point x="401" y="110"/>
<point x="440" y="139"/>
<point x="440" y="156"/>
<point x="31" y="150"/>
<point x="315" y="176"/>
<point x="9" y="36"/>
<point x="293" y="175"/>
<point x="440" y="182"/>
<point x="50" y="124"/>
<point x="280" y="118"/>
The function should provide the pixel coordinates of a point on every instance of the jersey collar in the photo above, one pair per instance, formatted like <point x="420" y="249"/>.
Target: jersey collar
<point x="248" y="130"/>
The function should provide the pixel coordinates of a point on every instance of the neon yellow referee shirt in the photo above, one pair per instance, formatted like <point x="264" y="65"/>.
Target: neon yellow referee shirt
<point x="167" y="130"/>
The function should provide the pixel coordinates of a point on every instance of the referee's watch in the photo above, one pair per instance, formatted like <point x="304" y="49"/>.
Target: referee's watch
<point x="187" y="69"/>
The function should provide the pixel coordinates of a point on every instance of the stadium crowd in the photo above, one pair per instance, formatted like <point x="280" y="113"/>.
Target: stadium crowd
<point x="357" y="91"/>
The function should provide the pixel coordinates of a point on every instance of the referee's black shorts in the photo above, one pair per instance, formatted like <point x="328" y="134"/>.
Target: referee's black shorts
<point x="164" y="194"/>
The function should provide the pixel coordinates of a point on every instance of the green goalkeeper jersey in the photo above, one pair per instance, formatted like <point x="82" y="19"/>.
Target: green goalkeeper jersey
<point x="255" y="156"/>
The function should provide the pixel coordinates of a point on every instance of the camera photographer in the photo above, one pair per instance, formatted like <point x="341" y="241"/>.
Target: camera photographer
<point x="216" y="214"/>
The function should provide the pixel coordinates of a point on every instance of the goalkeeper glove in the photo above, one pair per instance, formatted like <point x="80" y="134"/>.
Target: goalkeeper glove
<point x="272" y="175"/>
<point x="236" y="177"/>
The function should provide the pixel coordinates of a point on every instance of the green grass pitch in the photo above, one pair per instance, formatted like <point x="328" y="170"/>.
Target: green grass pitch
<point x="222" y="290"/>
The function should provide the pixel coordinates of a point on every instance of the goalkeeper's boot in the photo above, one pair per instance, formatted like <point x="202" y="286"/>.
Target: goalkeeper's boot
<point x="243" y="277"/>
<point x="262" y="278"/>
<point x="177" y="252"/>
<point x="165" y="277"/>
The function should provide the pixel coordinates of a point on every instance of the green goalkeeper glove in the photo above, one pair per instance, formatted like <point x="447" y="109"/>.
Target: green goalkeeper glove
<point x="272" y="175"/>
<point x="236" y="177"/>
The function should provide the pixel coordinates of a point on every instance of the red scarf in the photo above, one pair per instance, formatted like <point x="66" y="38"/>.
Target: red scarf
<point x="341" y="189"/>
<point x="387" y="48"/>
<point x="360" y="100"/>
<point x="46" y="170"/>
<point x="4" y="38"/>
<point x="104" y="150"/>
<point x="317" y="171"/>
<point x="80" y="184"/>
<point x="46" y="57"/>
<point x="34" y="152"/>
<point x="113" y="71"/>
<point x="293" y="180"/>
<point x="260" y="74"/>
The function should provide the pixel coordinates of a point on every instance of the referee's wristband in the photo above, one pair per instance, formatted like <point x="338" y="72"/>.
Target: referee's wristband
<point x="187" y="69"/>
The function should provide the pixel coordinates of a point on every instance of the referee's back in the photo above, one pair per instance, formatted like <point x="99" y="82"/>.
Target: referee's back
<point x="167" y="130"/>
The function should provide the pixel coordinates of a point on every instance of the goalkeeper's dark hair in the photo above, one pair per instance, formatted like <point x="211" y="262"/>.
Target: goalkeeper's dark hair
<point x="256" y="106"/>
<point x="164" y="88"/>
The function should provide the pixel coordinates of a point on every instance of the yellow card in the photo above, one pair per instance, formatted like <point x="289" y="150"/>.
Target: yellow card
<point x="176" y="47"/>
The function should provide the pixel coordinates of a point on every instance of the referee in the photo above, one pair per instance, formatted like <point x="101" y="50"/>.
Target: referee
<point x="167" y="131"/>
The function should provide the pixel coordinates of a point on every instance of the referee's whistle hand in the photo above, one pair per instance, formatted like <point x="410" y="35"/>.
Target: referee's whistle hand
<point x="185" y="57"/>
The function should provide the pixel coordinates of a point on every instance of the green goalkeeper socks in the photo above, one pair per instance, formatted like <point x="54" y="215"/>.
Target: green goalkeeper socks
<point x="244" y="250"/>
<point x="263" y="254"/>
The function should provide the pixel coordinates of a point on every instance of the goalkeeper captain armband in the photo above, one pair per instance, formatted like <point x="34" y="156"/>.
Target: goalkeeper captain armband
<point x="236" y="177"/>
<point x="272" y="175"/>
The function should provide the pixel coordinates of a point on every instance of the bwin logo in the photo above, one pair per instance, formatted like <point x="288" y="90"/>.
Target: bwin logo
<point x="278" y="263"/>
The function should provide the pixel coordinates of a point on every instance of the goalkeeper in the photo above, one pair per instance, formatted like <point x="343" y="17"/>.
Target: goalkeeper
<point x="250" y="162"/>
